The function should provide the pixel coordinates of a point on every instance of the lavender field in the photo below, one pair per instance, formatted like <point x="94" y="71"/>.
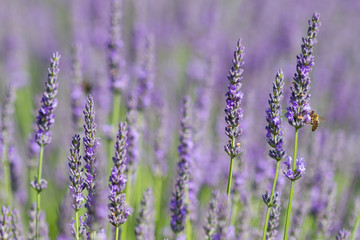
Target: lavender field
<point x="186" y="119"/>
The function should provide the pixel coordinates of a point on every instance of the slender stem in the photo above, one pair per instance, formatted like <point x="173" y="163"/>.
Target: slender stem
<point x="188" y="222"/>
<point x="231" y="169"/>
<point x="7" y="174"/>
<point x="124" y="231"/>
<point x="288" y="212"/>
<point x="158" y="202"/>
<point x="271" y="200"/>
<point x="356" y="225"/>
<point x="116" y="233"/>
<point x="38" y="192"/>
<point x="77" y="224"/>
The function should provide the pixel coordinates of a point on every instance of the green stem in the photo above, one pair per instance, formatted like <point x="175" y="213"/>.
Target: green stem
<point x="7" y="175"/>
<point x="158" y="201"/>
<point x="231" y="169"/>
<point x="124" y="231"/>
<point x="188" y="222"/>
<point x="356" y="225"/>
<point x="271" y="200"/>
<point x="38" y="192"/>
<point x="77" y="224"/>
<point x="116" y="233"/>
<point x="288" y="212"/>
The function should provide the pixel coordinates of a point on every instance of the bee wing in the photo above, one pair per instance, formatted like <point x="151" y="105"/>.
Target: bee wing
<point x="322" y="118"/>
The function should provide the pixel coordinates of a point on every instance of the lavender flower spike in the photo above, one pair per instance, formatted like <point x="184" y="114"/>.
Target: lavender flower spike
<point x="76" y="179"/>
<point x="178" y="207"/>
<point x="233" y="110"/>
<point x="116" y="63"/>
<point x="5" y="223"/>
<point x="299" y="171"/>
<point x="119" y="210"/>
<point x="274" y="219"/>
<point x="186" y="143"/>
<point x="77" y="182"/>
<point x="90" y="143"/>
<point x="45" y="119"/>
<point x="76" y="89"/>
<point x="274" y="134"/>
<point x="145" y="229"/>
<point x="298" y="114"/>
<point x="342" y="235"/>
<point x="211" y="223"/>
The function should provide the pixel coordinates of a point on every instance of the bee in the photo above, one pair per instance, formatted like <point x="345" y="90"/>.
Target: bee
<point x="315" y="120"/>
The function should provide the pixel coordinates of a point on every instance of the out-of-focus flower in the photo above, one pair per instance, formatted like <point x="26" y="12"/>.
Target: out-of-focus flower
<point x="145" y="228"/>
<point x="211" y="221"/>
<point x="116" y="61"/>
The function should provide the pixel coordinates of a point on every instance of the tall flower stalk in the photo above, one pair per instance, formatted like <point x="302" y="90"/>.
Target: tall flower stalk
<point x="180" y="201"/>
<point x="274" y="138"/>
<point x="118" y="208"/>
<point x="76" y="181"/>
<point x="90" y="143"/>
<point x="116" y="65"/>
<point x="6" y="119"/>
<point x="45" y="120"/>
<point x="298" y="114"/>
<point x="233" y="110"/>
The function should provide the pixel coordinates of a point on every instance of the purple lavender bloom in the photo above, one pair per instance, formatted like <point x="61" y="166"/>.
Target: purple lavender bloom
<point x="77" y="183"/>
<point x="299" y="171"/>
<point x="186" y="143"/>
<point x="43" y="228"/>
<point x="119" y="210"/>
<point x="159" y="167"/>
<point x="234" y="96"/>
<point x="76" y="89"/>
<point x="274" y="134"/>
<point x="145" y="229"/>
<point x="274" y="219"/>
<point x="211" y="220"/>
<point x="46" y="117"/>
<point x="342" y="234"/>
<point x="16" y="227"/>
<point x="116" y="62"/>
<point x="146" y="75"/>
<point x="178" y="207"/>
<point x="133" y="133"/>
<point x="5" y="223"/>
<point x="298" y="114"/>
<point x="90" y="143"/>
